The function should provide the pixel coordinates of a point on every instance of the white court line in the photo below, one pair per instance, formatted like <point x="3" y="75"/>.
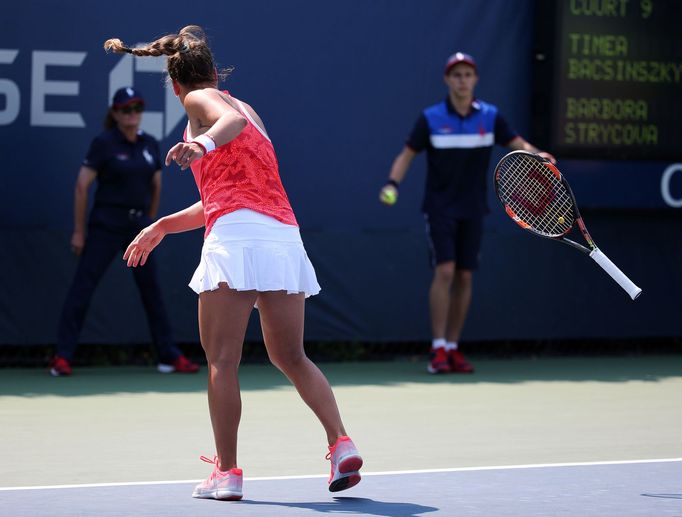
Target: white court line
<point x="387" y="473"/>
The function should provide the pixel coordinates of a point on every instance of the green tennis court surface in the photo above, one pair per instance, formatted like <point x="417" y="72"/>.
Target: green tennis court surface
<point x="122" y="425"/>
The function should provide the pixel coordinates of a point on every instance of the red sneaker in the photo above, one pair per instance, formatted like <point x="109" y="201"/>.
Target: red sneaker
<point x="458" y="363"/>
<point x="59" y="367"/>
<point x="180" y="365"/>
<point x="438" y="361"/>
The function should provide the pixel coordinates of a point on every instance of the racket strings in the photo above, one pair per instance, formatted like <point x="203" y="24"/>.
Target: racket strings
<point x="540" y="199"/>
<point x="535" y="195"/>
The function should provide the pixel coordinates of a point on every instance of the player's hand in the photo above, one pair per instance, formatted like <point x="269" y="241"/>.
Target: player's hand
<point x="138" y="251"/>
<point x="77" y="243"/>
<point x="388" y="195"/>
<point x="547" y="156"/>
<point x="184" y="153"/>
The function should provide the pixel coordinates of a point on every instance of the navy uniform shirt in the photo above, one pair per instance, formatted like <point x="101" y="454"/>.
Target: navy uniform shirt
<point x="124" y="169"/>
<point x="458" y="155"/>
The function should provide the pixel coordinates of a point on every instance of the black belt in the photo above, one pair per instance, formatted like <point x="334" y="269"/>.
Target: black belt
<point x="135" y="213"/>
<point x="131" y="213"/>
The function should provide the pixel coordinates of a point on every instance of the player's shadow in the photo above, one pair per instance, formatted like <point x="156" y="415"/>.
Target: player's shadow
<point x="354" y="505"/>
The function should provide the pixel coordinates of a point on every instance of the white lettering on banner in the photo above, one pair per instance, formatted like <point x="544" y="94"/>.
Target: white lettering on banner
<point x="9" y="90"/>
<point x="157" y="123"/>
<point x="665" y="185"/>
<point x="153" y="122"/>
<point x="41" y="88"/>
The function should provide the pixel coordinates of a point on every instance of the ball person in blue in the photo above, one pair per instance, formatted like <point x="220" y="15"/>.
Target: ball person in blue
<point x="125" y="163"/>
<point x="458" y="135"/>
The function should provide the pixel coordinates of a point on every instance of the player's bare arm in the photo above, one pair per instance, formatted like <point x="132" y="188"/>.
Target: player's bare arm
<point x="255" y="116"/>
<point x="150" y="237"/>
<point x="208" y="115"/>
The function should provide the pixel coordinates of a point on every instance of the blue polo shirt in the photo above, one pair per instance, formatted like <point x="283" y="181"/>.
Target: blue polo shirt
<point x="458" y="155"/>
<point x="124" y="169"/>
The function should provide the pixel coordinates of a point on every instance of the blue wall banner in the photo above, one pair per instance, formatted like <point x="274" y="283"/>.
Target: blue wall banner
<point x="339" y="86"/>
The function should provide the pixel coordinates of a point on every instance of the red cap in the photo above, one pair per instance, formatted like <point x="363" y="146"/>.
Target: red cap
<point x="457" y="58"/>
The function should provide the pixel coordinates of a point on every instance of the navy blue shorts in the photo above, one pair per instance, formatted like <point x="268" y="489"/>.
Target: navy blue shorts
<point x="454" y="240"/>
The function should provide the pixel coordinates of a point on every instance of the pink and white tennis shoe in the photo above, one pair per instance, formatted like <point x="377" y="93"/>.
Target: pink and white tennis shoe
<point x="223" y="485"/>
<point x="346" y="462"/>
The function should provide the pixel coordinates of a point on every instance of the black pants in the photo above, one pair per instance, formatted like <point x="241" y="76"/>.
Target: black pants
<point x="454" y="240"/>
<point x="103" y="244"/>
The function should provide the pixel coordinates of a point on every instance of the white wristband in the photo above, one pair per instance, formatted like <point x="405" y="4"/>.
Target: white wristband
<point x="206" y="142"/>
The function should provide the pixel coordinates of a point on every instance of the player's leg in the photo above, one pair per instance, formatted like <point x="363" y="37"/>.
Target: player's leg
<point x="442" y="249"/>
<point x="439" y="298"/>
<point x="468" y="235"/>
<point x="223" y="317"/>
<point x="282" y="317"/>
<point x="460" y="300"/>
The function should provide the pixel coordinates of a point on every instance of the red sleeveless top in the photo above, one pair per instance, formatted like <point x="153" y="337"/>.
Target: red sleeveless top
<point x="242" y="174"/>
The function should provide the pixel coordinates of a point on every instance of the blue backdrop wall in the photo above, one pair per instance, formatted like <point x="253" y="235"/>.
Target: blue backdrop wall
<point x="339" y="85"/>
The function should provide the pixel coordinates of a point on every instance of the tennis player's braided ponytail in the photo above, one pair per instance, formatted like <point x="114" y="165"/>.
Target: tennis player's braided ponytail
<point x="190" y="60"/>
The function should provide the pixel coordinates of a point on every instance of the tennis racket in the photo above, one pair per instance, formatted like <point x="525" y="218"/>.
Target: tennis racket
<point x="537" y="197"/>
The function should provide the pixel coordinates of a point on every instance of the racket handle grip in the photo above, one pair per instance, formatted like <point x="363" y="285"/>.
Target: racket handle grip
<point x="615" y="273"/>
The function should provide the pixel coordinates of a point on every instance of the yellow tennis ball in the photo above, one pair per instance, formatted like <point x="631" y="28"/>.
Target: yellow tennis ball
<point x="389" y="197"/>
<point x="561" y="219"/>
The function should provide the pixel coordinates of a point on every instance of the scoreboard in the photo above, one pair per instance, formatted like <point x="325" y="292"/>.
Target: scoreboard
<point x="608" y="78"/>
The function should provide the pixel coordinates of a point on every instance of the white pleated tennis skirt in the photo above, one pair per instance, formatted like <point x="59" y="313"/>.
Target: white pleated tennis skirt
<point x="252" y="251"/>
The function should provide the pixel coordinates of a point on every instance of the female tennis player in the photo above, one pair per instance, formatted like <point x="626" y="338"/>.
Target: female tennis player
<point x="252" y="255"/>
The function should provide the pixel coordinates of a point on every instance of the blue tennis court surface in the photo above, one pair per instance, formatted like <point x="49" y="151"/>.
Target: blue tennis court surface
<point x="619" y="489"/>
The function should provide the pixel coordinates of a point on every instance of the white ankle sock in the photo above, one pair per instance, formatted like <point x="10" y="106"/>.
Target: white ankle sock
<point x="438" y="343"/>
<point x="451" y="345"/>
